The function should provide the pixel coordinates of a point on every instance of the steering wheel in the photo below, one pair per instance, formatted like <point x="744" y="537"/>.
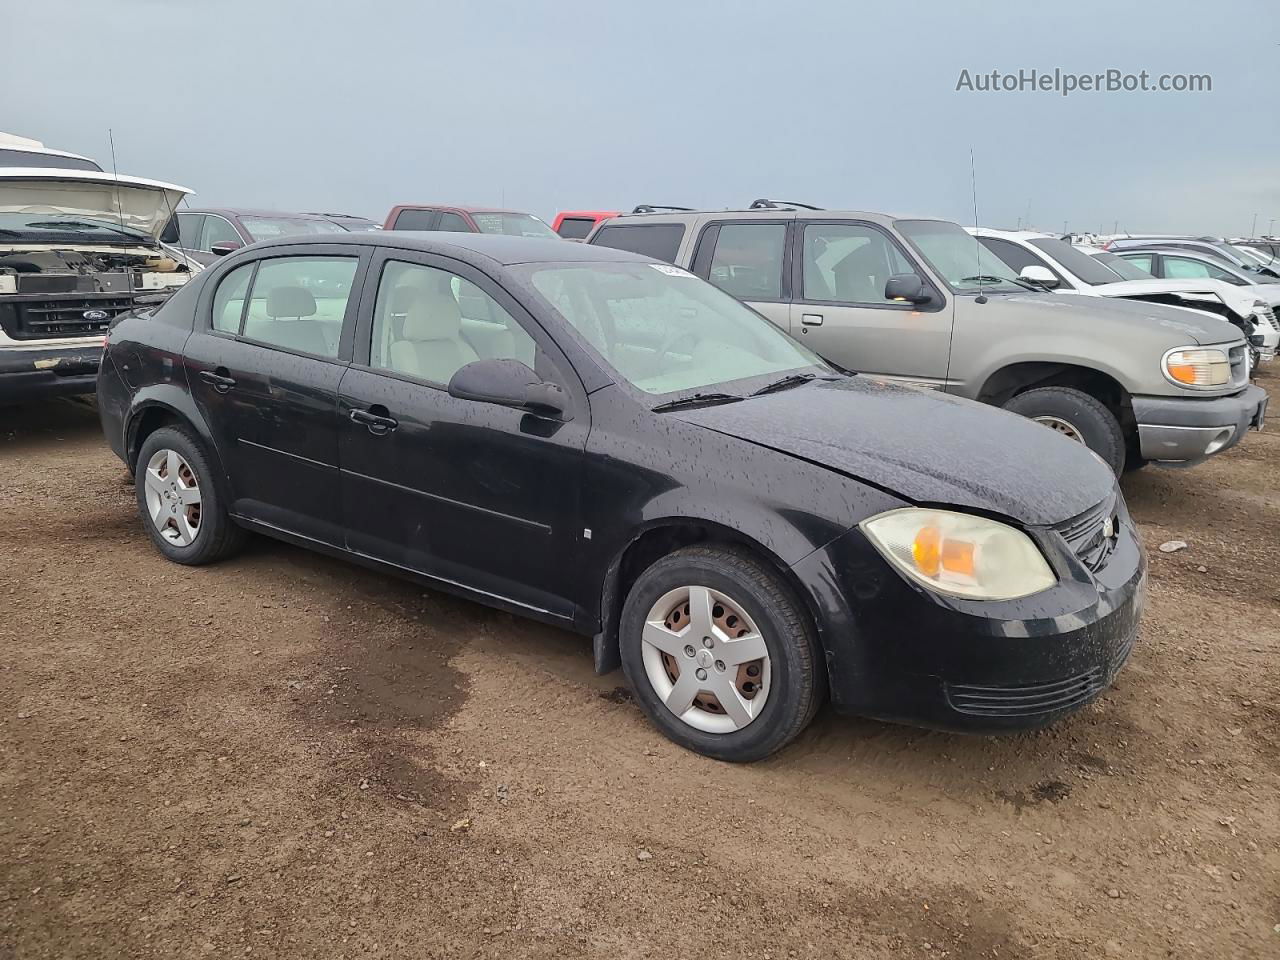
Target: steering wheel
<point x="673" y="340"/>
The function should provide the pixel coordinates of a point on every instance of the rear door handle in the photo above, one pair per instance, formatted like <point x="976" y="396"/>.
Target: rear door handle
<point x="811" y="319"/>
<point x="220" y="382"/>
<point x="378" y="423"/>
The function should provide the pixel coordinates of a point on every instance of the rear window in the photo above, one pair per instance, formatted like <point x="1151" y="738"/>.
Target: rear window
<point x="575" y="228"/>
<point x="658" y="240"/>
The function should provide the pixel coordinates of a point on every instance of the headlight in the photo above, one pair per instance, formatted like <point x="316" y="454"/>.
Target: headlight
<point x="1202" y="367"/>
<point x="960" y="554"/>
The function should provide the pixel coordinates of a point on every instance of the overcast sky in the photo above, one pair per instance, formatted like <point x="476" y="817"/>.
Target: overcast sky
<point x="356" y="106"/>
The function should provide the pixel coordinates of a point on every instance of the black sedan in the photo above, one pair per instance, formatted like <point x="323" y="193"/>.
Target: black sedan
<point x="597" y="440"/>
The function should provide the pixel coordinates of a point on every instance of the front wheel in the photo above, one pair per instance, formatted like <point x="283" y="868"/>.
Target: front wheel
<point x="1077" y="416"/>
<point x="720" y="654"/>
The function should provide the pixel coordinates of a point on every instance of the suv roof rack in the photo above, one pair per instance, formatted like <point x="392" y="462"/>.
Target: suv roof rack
<point x="655" y="207"/>
<point x="763" y="204"/>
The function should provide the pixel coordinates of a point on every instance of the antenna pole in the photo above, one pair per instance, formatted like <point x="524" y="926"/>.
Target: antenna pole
<point x="977" y="245"/>
<point x="111" y="138"/>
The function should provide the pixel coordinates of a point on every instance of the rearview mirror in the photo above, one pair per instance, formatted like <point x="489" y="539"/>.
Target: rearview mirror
<point x="508" y="383"/>
<point x="1043" y="276"/>
<point x="906" y="286"/>
<point x="225" y="247"/>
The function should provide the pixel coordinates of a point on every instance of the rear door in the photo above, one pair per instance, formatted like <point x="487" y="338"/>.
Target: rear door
<point x="839" y="272"/>
<point x="272" y="341"/>
<point x="750" y="259"/>
<point x="478" y="495"/>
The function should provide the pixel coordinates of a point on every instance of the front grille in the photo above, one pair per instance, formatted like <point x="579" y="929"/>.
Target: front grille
<point x="40" y="319"/>
<point x="1266" y="315"/>
<point x="1086" y="533"/>
<point x="1026" y="700"/>
<point x="1239" y="356"/>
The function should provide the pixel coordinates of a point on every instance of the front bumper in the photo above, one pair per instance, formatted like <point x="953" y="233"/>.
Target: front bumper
<point x="1188" y="429"/>
<point x="898" y="652"/>
<point x="44" y="370"/>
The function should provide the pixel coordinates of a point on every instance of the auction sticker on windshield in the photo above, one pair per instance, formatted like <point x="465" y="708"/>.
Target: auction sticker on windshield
<point x="670" y="271"/>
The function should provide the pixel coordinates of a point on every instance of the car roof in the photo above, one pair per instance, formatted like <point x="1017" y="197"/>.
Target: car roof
<point x="1010" y="234"/>
<point x="252" y="212"/>
<point x="472" y="247"/>
<point x="454" y="206"/>
<point x="770" y="213"/>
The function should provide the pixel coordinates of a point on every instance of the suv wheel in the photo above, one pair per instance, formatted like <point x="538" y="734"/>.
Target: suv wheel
<point x="180" y="506"/>
<point x="1077" y="415"/>
<point x="720" y="654"/>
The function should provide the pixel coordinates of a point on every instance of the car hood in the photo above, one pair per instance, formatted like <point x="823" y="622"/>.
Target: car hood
<point x="1180" y="326"/>
<point x="1238" y="299"/>
<point x="926" y="447"/>
<point x="36" y="193"/>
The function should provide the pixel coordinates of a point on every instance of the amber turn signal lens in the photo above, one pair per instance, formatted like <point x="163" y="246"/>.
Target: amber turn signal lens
<point x="1183" y="372"/>
<point x="926" y="551"/>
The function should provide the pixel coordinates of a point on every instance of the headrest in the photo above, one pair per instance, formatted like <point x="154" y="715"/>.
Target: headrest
<point x="290" y="302"/>
<point x="432" y="316"/>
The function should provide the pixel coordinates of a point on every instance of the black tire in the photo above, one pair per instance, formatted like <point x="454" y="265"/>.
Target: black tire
<point x="1088" y="415"/>
<point x="217" y="535"/>
<point x="797" y="682"/>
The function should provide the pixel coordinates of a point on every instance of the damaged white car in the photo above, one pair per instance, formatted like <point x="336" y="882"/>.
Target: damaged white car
<point x="78" y="248"/>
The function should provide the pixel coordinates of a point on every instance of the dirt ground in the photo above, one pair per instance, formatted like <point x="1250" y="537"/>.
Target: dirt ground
<point x="285" y="756"/>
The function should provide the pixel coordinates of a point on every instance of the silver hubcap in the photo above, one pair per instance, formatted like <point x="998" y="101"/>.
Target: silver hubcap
<point x="1063" y="427"/>
<point x="705" y="659"/>
<point x="173" y="497"/>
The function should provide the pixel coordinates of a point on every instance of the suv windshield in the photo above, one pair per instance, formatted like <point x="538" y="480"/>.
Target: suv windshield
<point x="1085" y="267"/>
<point x="266" y="228"/>
<point x="513" y="225"/>
<point x="1127" y="269"/>
<point x="959" y="258"/>
<point x="662" y="329"/>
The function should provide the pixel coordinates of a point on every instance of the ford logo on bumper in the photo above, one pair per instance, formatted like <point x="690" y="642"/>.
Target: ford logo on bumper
<point x="95" y="316"/>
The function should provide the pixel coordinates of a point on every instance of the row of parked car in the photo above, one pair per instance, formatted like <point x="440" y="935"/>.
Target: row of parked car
<point x="654" y="437"/>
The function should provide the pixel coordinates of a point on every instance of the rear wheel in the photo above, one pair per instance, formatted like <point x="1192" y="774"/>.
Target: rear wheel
<point x="1077" y="416"/>
<point x="720" y="654"/>
<point x="179" y="503"/>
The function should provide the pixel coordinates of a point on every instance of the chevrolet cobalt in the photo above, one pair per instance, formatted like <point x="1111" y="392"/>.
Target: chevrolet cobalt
<point x="601" y="441"/>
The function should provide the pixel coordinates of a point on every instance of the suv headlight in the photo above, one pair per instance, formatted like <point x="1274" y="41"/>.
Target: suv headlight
<point x="960" y="554"/>
<point x="1197" y="367"/>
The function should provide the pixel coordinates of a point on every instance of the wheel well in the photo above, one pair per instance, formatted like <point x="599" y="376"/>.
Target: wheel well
<point x="1006" y="383"/>
<point x="657" y="542"/>
<point x="148" y="422"/>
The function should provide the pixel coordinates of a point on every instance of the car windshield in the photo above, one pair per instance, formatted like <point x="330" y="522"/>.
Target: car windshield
<point x="1083" y="266"/>
<point x="268" y="228"/>
<point x="1127" y="269"/>
<point x="965" y="264"/>
<point x="663" y="330"/>
<point x="513" y="225"/>
<point x="46" y="225"/>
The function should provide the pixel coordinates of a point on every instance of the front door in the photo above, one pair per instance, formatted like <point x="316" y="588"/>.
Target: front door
<point x="477" y="495"/>
<point x="839" y="309"/>
<point x="264" y="363"/>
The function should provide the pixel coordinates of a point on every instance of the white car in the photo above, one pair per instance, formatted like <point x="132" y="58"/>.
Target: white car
<point x="1054" y="264"/>
<point x="78" y="248"/>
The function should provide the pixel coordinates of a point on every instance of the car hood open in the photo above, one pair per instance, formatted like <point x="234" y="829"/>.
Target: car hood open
<point x="926" y="447"/>
<point x="132" y="202"/>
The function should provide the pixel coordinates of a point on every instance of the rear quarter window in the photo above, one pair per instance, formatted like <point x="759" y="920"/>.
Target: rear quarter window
<point x="658" y="240"/>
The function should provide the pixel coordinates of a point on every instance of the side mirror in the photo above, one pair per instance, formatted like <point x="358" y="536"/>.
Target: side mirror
<point x="906" y="286"/>
<point x="1043" y="276"/>
<point x="225" y="247"/>
<point x="508" y="383"/>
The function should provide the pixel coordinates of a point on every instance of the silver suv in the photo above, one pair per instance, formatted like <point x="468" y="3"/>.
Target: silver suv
<point x="921" y="301"/>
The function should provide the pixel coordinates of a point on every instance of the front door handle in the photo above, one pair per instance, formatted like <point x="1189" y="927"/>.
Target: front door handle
<point x="376" y="419"/>
<point x="811" y="319"/>
<point x="221" y="382"/>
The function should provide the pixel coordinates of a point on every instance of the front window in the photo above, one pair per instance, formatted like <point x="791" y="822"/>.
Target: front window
<point x="1084" y="267"/>
<point x="662" y="329"/>
<point x="850" y="263"/>
<point x="513" y="225"/>
<point x="268" y="228"/>
<point x="965" y="264"/>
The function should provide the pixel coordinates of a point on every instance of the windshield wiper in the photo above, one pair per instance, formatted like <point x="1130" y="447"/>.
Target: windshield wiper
<point x="697" y="400"/>
<point x="791" y="380"/>
<point x="988" y="278"/>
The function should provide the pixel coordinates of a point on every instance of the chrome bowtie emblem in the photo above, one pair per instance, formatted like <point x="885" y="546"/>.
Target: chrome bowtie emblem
<point x="1108" y="528"/>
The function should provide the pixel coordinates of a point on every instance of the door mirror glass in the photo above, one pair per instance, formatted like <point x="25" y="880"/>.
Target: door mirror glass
<point x="225" y="247"/>
<point x="906" y="286"/>
<point x="508" y="383"/>
<point x="1034" y="273"/>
